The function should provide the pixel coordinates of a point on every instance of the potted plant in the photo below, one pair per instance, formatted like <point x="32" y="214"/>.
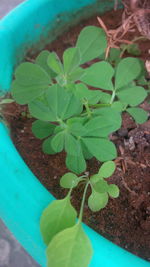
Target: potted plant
<point x="21" y="205"/>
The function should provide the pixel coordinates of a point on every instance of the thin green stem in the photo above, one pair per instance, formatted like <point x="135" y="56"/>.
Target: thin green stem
<point x="100" y="105"/>
<point x="89" y="112"/>
<point x="83" y="201"/>
<point x="113" y="97"/>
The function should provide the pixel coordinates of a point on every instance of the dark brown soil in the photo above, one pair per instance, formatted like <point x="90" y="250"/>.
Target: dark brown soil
<point x="126" y="220"/>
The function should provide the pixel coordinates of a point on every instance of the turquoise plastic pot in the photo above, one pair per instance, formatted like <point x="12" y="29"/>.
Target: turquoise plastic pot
<point x="22" y="197"/>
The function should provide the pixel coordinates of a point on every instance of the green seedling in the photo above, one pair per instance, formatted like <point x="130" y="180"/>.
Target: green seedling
<point x="62" y="231"/>
<point x="70" y="116"/>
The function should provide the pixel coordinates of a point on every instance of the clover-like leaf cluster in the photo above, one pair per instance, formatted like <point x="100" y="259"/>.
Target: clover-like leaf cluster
<point x="70" y="116"/>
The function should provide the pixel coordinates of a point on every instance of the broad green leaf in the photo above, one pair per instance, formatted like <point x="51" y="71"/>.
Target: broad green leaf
<point x="105" y="98"/>
<point x="75" y="160"/>
<point x="70" y="248"/>
<point x="57" y="142"/>
<point x="41" y="60"/>
<point x="84" y="94"/>
<point x="85" y="151"/>
<point x="75" y="75"/>
<point x="69" y="180"/>
<point x="77" y="129"/>
<point x="92" y="47"/>
<point x="47" y="147"/>
<point x="107" y="169"/>
<point x="114" y="55"/>
<point x="132" y="96"/>
<point x="127" y="70"/>
<point x="118" y="106"/>
<point x="111" y="115"/>
<point x="102" y="149"/>
<point x="30" y="82"/>
<point x="71" y="59"/>
<point x="54" y="63"/>
<point x="59" y="215"/>
<point x="97" y="201"/>
<point x="99" y="75"/>
<point x="113" y="190"/>
<point x="99" y="126"/>
<point x="42" y="129"/>
<point x="139" y="115"/>
<point x="57" y="104"/>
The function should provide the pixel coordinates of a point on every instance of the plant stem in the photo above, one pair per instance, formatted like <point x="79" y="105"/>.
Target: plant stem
<point x="100" y="105"/>
<point x="83" y="201"/>
<point x="88" y="109"/>
<point x="113" y="97"/>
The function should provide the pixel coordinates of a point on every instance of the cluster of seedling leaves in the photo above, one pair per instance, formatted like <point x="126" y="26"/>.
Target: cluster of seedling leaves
<point x="70" y="116"/>
<point x="61" y="230"/>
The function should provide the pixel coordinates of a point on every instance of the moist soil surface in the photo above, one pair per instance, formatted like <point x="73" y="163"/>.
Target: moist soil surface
<point x="125" y="220"/>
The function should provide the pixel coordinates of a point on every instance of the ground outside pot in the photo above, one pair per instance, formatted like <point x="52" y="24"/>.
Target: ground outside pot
<point x="22" y="197"/>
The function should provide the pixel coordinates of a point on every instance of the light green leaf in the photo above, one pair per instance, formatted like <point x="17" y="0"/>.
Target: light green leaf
<point x="42" y="129"/>
<point x="100" y="186"/>
<point x="75" y="75"/>
<point x="41" y="60"/>
<point x="69" y="180"/>
<point x="139" y="115"/>
<point x="118" y="106"/>
<point x="84" y="94"/>
<point x="94" y="46"/>
<point x="102" y="149"/>
<point x="57" y="142"/>
<point x="97" y="201"/>
<point x="59" y="215"/>
<point x="107" y="169"/>
<point x="127" y="70"/>
<point x="111" y="115"/>
<point x="132" y="96"/>
<point x="99" y="75"/>
<point x="99" y="126"/>
<point x="113" y="190"/>
<point x="54" y="63"/>
<point x="31" y="81"/>
<point x="71" y="59"/>
<point x="75" y="160"/>
<point x="72" y="247"/>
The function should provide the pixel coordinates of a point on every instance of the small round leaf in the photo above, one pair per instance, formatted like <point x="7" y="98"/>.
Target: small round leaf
<point x="97" y="201"/>
<point x="69" y="180"/>
<point x="107" y="169"/>
<point x="113" y="190"/>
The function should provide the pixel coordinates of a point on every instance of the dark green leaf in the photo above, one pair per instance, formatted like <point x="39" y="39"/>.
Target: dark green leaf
<point x="94" y="46"/>
<point x="47" y="147"/>
<point x="75" y="160"/>
<point x="42" y="129"/>
<point x="127" y="70"/>
<point x="99" y="75"/>
<point x="31" y="82"/>
<point x="58" y="142"/>
<point x="102" y="149"/>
